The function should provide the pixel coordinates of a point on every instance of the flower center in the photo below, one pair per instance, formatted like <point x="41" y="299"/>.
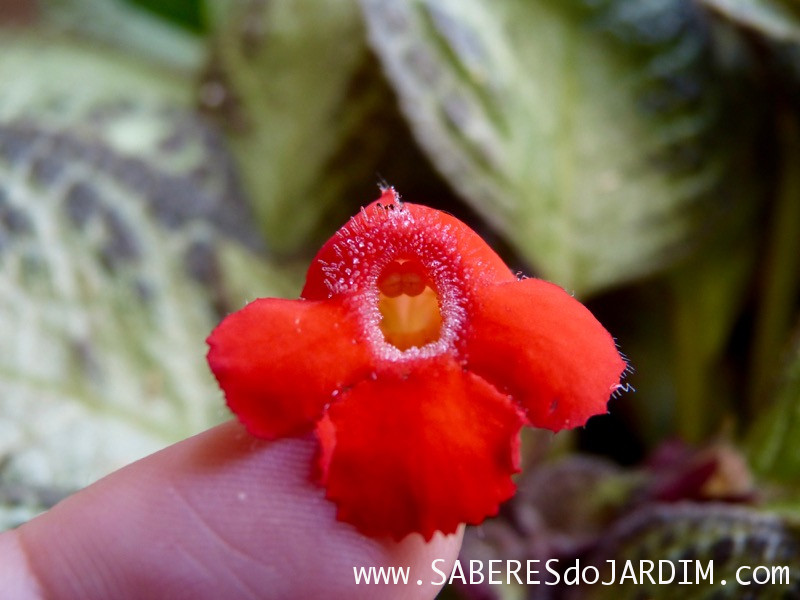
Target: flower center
<point x="408" y="305"/>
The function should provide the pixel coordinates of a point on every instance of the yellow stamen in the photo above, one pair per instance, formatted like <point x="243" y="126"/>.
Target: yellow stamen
<point x="409" y="306"/>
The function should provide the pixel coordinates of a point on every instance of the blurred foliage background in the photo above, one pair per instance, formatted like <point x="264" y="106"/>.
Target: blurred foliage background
<point x="163" y="162"/>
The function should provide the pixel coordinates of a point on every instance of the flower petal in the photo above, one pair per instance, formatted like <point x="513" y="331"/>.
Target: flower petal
<point x="419" y="451"/>
<point x="280" y="361"/>
<point x="389" y="228"/>
<point x="534" y="341"/>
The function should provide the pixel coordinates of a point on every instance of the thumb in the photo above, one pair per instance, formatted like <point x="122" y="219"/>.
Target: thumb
<point x="220" y="515"/>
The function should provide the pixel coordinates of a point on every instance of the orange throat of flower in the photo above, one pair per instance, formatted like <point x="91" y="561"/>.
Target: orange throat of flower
<point x="409" y="305"/>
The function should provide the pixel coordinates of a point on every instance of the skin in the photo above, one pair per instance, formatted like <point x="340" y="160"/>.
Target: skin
<point x="219" y="515"/>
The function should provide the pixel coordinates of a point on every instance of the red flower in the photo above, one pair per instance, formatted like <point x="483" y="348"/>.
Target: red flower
<point x="418" y="356"/>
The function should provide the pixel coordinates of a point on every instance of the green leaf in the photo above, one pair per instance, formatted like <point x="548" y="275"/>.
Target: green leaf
<point x="583" y="131"/>
<point x="292" y="84"/>
<point x="186" y="13"/>
<point x="122" y="25"/>
<point x="717" y="538"/>
<point x="776" y="19"/>
<point x="124" y="235"/>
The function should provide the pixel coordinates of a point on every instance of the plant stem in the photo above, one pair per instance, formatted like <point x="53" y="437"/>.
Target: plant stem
<point x="781" y="273"/>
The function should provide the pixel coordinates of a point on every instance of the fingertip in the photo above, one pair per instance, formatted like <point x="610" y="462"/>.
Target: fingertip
<point x="218" y="515"/>
<point x="16" y="578"/>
